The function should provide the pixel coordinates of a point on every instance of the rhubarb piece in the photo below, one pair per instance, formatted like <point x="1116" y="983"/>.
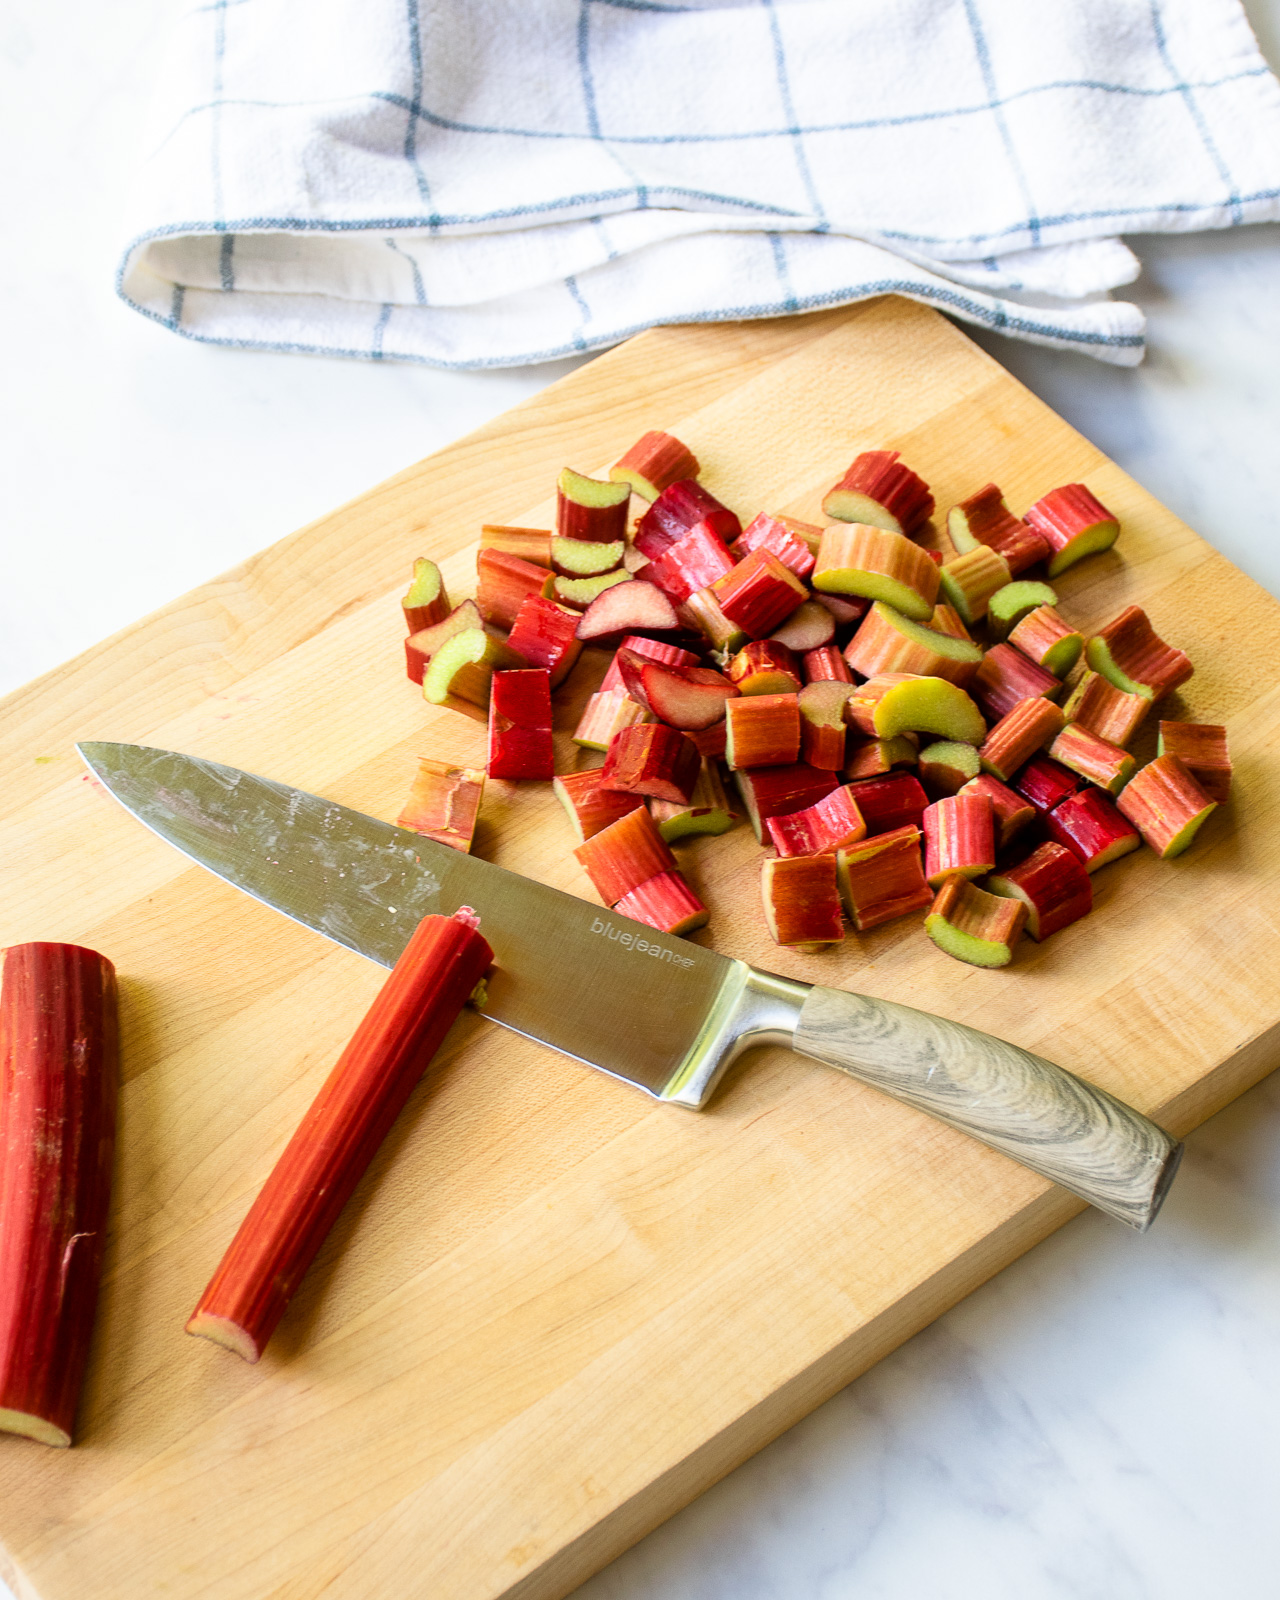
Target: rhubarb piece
<point x="763" y="730"/>
<point x="1045" y="784"/>
<point x="969" y="581"/>
<point x="946" y="766"/>
<point x="825" y="665"/>
<point x="946" y="619"/>
<point x="1202" y="749"/>
<point x="707" y="811"/>
<point x="1166" y="805"/>
<point x="1009" y="811"/>
<point x="504" y="584"/>
<point x="872" y="757"/>
<point x="1131" y="656"/>
<point x="822" y="726"/>
<point x="605" y="714"/>
<point x="959" y="836"/>
<point x="1007" y="607"/>
<point x="882" y="878"/>
<point x="891" y="802"/>
<point x="530" y="544"/>
<point x="898" y="702"/>
<point x="421" y="646"/>
<point x="426" y="602"/>
<point x="872" y="562"/>
<point x="1005" y="677"/>
<point x="886" y="641"/>
<point x="973" y="926"/>
<point x="520" y="725"/>
<point x="670" y="655"/>
<point x="1028" y="727"/>
<point x="653" y="463"/>
<point x="710" y="741"/>
<point x="585" y="558"/>
<point x="652" y="759"/>
<point x="588" y="807"/>
<point x="1043" y="637"/>
<point x="665" y="902"/>
<point x="59" y="1073"/>
<point x="984" y="519"/>
<point x="624" y="855"/>
<point x="777" y="791"/>
<point x="461" y="671"/>
<point x="695" y="561"/>
<point x="1105" y="710"/>
<point x="689" y="698"/>
<point x="588" y="509"/>
<point x="444" y="803"/>
<point x="809" y="627"/>
<point x="636" y="564"/>
<point x="1089" y="825"/>
<point x="627" y="608"/>
<point x="759" y="593"/>
<point x="1093" y="758"/>
<point x="1074" y="523"/>
<point x="545" y="634"/>
<point x="845" y="608"/>
<point x="677" y="509"/>
<point x="1053" y="885"/>
<point x="802" y="901"/>
<point x="763" y="666"/>
<point x="702" y="612"/>
<point x="829" y="824"/>
<point x="878" y="490"/>
<point x="770" y="533"/>
<point x="340" y="1134"/>
<point x="580" y="592"/>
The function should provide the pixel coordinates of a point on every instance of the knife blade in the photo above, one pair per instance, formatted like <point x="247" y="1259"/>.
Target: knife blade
<point x="654" y="1010"/>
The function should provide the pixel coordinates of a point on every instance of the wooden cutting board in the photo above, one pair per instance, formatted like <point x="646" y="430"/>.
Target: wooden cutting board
<point x="556" y="1311"/>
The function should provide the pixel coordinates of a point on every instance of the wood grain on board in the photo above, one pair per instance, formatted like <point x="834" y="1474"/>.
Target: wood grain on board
<point x="556" y="1311"/>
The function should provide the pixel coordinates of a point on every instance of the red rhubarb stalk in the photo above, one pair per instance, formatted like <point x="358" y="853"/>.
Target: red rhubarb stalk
<point x="876" y="564"/>
<point x="545" y="635"/>
<point x="665" y="902"/>
<point x="831" y="823"/>
<point x="707" y="810"/>
<point x="695" y="561"/>
<point x="670" y="655"/>
<point x="900" y="702"/>
<point x="1093" y="758"/>
<point x="1166" y="805"/>
<point x="871" y="758"/>
<point x="530" y="544"/>
<point x="759" y="593"/>
<point x="1005" y="677"/>
<point x="504" y="583"/>
<point x="652" y="759"/>
<point x="877" y="489"/>
<point x="822" y="726"/>
<point x="1010" y="812"/>
<point x="1202" y="749"/>
<point x="985" y="519"/>
<point x="59" y="1072"/>
<point x="588" y="509"/>
<point x="461" y="672"/>
<point x="444" y="803"/>
<point x="883" y="878"/>
<point x="775" y="791"/>
<point x="1089" y="825"/>
<point x="348" y="1120"/>
<point x="520" y="725"/>
<point x="1053" y="885"/>
<point x="826" y="665"/>
<point x="763" y="730"/>
<point x="1043" y="637"/>
<point x="974" y="926"/>
<point x="1028" y="727"/>
<point x="677" y="509"/>
<point x="763" y="666"/>
<point x="1045" y="784"/>
<point x="959" y="837"/>
<point x="420" y="647"/>
<point x="702" y="613"/>
<point x="624" y="855"/>
<point x="946" y="619"/>
<point x="590" y="808"/>
<point x="1132" y="657"/>
<point x="886" y="641"/>
<point x="969" y="581"/>
<point x="1007" y="607"/>
<point x="946" y="766"/>
<point x="654" y="461"/>
<point x="802" y="901"/>
<point x="770" y="533"/>
<point x="1074" y="524"/>
<point x="426" y="603"/>
<point x="605" y="714"/>
<point x="891" y="802"/>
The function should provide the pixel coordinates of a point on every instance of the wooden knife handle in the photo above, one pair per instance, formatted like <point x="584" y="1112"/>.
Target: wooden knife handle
<point x="1037" y="1113"/>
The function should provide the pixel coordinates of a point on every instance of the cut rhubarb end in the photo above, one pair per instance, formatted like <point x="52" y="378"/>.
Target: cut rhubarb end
<point x="763" y="730"/>
<point x="831" y="824"/>
<point x="420" y="647"/>
<point x="587" y="508"/>
<point x="874" y="757"/>
<point x="544" y="634"/>
<point x="876" y="564"/>
<point x="520" y="725"/>
<point x="223" y="1331"/>
<point x="1010" y="812"/>
<point x="886" y="641"/>
<point x="883" y="878"/>
<point x="1088" y="824"/>
<point x="585" y="558"/>
<point x="689" y="698"/>
<point x="1043" y="637"/>
<point x="959" y="836"/>
<point x="984" y="519"/>
<point x="1202" y="749"/>
<point x="624" y="855"/>
<point x="969" y="581"/>
<point x="590" y="808"/>
<point x="708" y="809"/>
<point x="1133" y="658"/>
<point x="1053" y="885"/>
<point x="879" y="491"/>
<point x="809" y="627"/>
<point x="665" y="902"/>
<point x="1005" y="677"/>
<point x="1093" y="758"/>
<point x="460" y="675"/>
<point x="947" y="765"/>
<point x="530" y="544"/>
<point x="893" y="703"/>
<point x="1105" y="710"/>
<point x="802" y="901"/>
<point x="763" y="666"/>
<point x="822" y="727"/>
<point x="1167" y="806"/>
<point x="1007" y="607"/>
<point x="974" y="926"/>
<point x="776" y="791"/>
<point x="652" y="759"/>
<point x="426" y="602"/>
<point x="444" y="803"/>
<point x="654" y="462"/>
<point x="580" y="592"/>
<point x="605" y="714"/>
<point x="316" y="1175"/>
<point x="625" y="608"/>
<point x="759" y="593"/>
<point x="1028" y="727"/>
<point x="1074" y="523"/>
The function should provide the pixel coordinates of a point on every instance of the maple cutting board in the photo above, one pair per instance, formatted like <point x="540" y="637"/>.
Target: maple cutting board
<point x="555" y="1310"/>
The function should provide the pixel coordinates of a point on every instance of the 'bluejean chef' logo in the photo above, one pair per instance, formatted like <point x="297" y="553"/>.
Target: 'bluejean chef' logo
<point x="633" y="941"/>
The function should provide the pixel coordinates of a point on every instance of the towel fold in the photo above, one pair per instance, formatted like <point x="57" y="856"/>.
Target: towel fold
<point x="474" y="183"/>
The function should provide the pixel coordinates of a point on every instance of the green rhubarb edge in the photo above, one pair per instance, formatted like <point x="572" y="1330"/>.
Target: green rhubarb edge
<point x="1007" y="606"/>
<point x="942" y="644"/>
<point x="965" y="946"/>
<point x="1088" y="542"/>
<point x="947" y="711"/>
<point x="874" y="586"/>
<point x="1098" y="655"/>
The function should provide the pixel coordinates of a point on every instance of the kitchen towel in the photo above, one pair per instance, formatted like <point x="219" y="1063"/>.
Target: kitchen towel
<point x="475" y="183"/>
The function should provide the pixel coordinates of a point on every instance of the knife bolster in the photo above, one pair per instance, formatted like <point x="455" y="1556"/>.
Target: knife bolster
<point x="752" y="1008"/>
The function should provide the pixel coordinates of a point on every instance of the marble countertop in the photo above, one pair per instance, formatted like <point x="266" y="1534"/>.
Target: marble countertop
<point x="1102" y="1420"/>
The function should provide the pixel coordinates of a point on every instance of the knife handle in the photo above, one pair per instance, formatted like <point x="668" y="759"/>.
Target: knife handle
<point x="1039" y="1114"/>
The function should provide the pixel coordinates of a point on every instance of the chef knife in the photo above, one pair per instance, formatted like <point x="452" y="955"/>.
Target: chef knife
<point x="663" y="1014"/>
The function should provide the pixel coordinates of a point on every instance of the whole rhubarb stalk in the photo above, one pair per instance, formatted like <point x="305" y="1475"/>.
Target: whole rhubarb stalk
<point x="340" y="1134"/>
<point x="59" y="1071"/>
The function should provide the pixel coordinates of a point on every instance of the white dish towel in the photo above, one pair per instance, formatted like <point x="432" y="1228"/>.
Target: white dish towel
<point x="475" y="183"/>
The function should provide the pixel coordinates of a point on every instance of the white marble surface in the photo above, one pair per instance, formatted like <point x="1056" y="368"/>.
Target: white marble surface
<point x="1102" y="1421"/>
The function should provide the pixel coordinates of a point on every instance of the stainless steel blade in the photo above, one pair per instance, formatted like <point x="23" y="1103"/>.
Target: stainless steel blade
<point x="619" y="996"/>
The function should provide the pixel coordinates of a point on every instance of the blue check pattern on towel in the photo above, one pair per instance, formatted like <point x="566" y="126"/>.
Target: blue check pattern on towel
<point x="476" y="183"/>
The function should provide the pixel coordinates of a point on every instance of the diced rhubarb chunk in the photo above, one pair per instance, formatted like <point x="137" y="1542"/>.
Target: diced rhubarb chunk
<point x="587" y="508"/>
<point x="624" y="855"/>
<point x="830" y="824"/>
<point x="759" y="593"/>
<point x="1074" y="523"/>
<point x="652" y="759"/>
<point x="461" y="672"/>
<point x="589" y="807"/>
<point x="878" y="490"/>
<point x="763" y="666"/>
<point x="520" y="725"/>
<point x="605" y="714"/>
<point x="1028" y="727"/>
<point x="897" y="702"/>
<point x="947" y="765"/>
<point x="984" y="519"/>
<point x="969" y="581"/>
<point x="545" y="635"/>
<point x="421" y="646"/>
<point x="581" y="592"/>
<point x="802" y="901"/>
<point x="1202" y="749"/>
<point x="1053" y="885"/>
<point x="654" y="462"/>
<point x="1007" y="607"/>
<point x="1005" y="677"/>
<point x="426" y="602"/>
<point x="946" y="619"/>
<point x="694" y="562"/>
<point x="625" y="608"/>
<point x="505" y="582"/>
<point x="891" y="802"/>
<point x="1166" y="805"/>
<point x="776" y="791"/>
<point x="677" y="509"/>
<point x="809" y="627"/>
<point x="886" y="641"/>
<point x="1131" y="656"/>
<point x="870" y="758"/>
<point x="1089" y="825"/>
<point x="826" y="665"/>
<point x="653" y="650"/>
<point x="1043" y="637"/>
<point x="1105" y="710"/>
<point x="973" y="926"/>
<point x="882" y="878"/>
<point x="707" y="811"/>
<point x="822" y="727"/>
<point x="771" y="533"/>
<point x="530" y="544"/>
<point x="1093" y="758"/>
<point x="701" y="612"/>
<point x="689" y="698"/>
<point x="444" y="803"/>
<point x="1045" y="784"/>
<point x="665" y="902"/>
<point x="1010" y="812"/>
<point x="763" y="730"/>
<point x="876" y="564"/>
<point x="959" y="837"/>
